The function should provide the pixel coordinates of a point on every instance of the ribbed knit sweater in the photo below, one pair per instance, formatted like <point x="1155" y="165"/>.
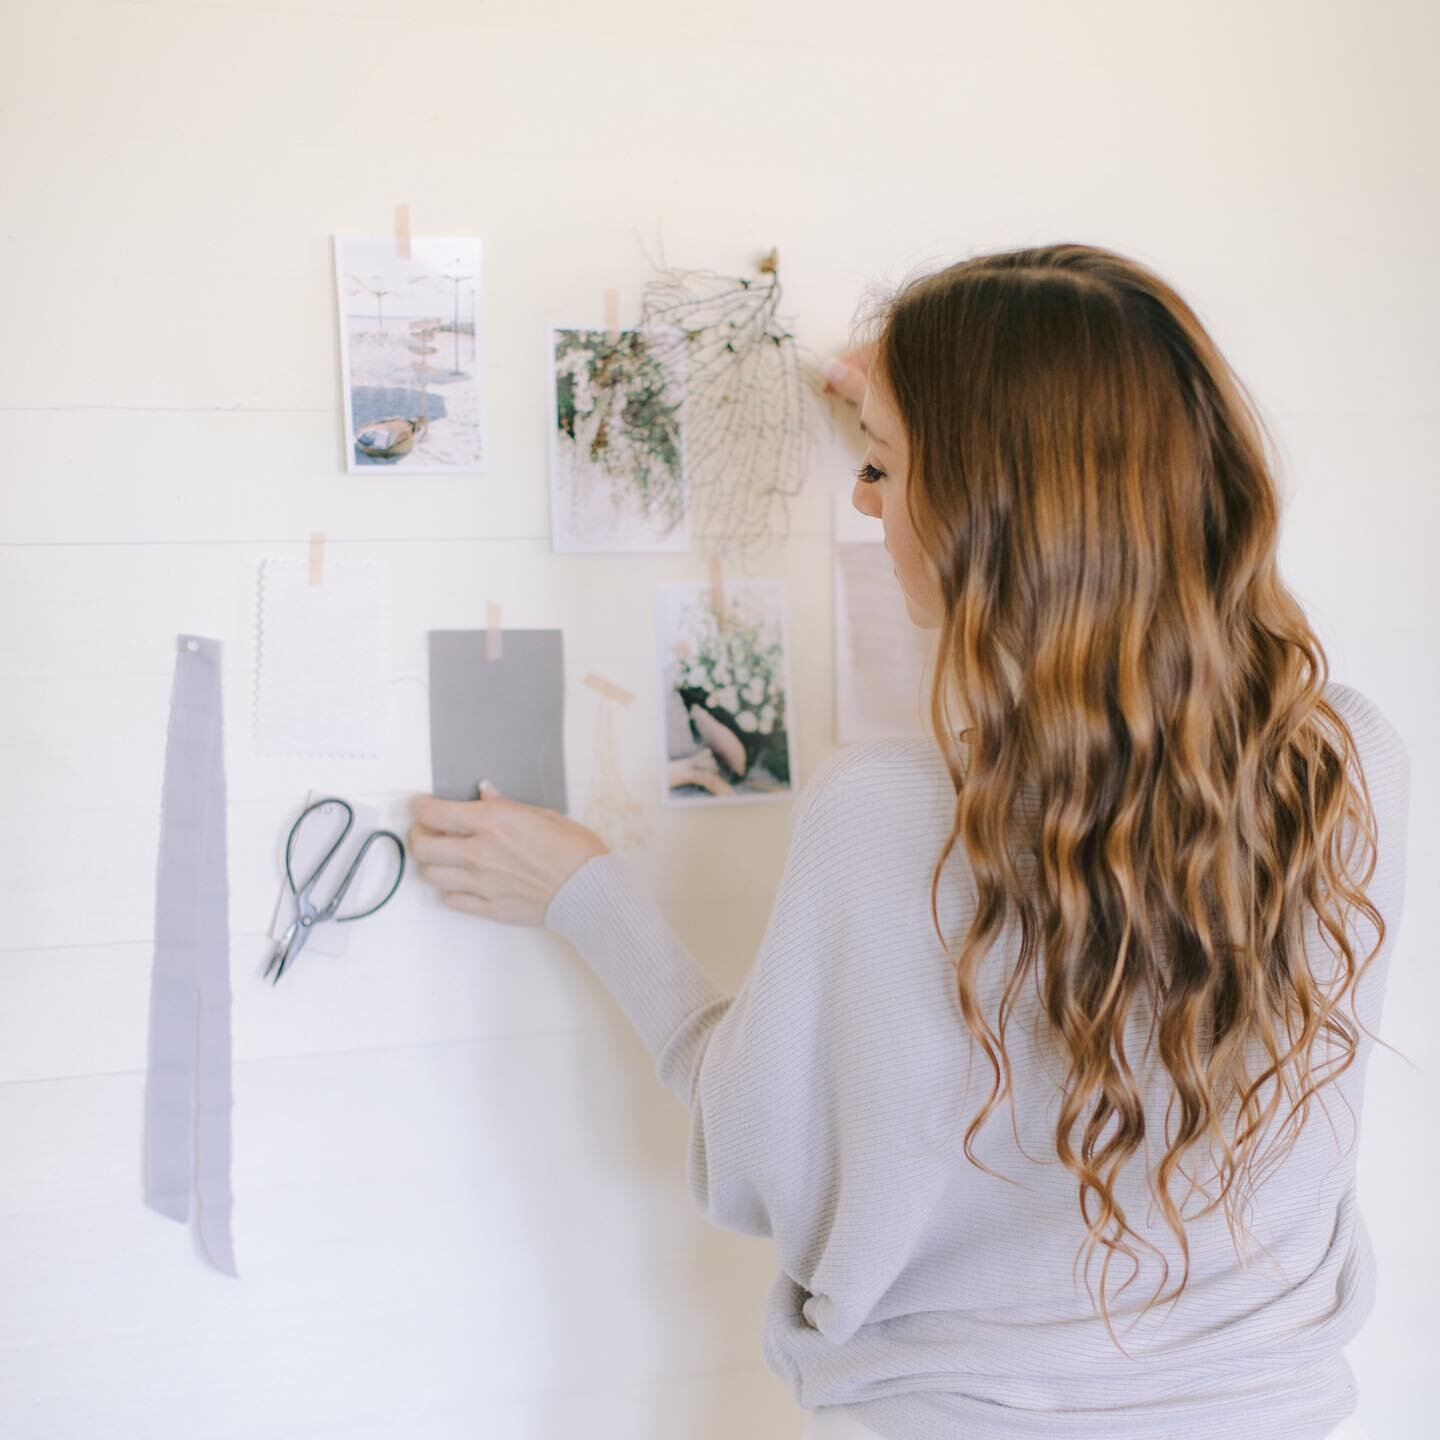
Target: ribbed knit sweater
<point x="827" y="1103"/>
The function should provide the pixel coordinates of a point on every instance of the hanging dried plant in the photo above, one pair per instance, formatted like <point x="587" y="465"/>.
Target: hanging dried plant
<point x="751" y="401"/>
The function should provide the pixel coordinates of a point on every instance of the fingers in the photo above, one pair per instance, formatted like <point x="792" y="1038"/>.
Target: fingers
<point x="470" y="904"/>
<point x="846" y="378"/>
<point x="860" y="357"/>
<point x="450" y="817"/>
<point x="432" y="847"/>
<point x="451" y="879"/>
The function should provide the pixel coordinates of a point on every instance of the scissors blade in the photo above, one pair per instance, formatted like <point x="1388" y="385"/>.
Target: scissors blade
<point x="284" y="951"/>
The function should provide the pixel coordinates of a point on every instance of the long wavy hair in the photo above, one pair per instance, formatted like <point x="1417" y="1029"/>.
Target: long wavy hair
<point x="1091" y="483"/>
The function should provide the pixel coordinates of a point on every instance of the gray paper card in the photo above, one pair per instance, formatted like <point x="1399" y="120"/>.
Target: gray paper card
<point x="501" y="720"/>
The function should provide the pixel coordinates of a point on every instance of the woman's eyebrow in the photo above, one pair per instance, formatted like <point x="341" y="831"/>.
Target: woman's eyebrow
<point x="878" y="439"/>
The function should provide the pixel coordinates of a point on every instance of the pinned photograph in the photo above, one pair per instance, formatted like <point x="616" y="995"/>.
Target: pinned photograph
<point x="617" y="441"/>
<point x="410" y="355"/>
<point x="725" y="692"/>
<point x="883" y="660"/>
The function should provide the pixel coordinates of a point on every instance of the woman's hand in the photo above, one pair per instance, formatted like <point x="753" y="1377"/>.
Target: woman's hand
<point x="846" y="376"/>
<point x="496" y="857"/>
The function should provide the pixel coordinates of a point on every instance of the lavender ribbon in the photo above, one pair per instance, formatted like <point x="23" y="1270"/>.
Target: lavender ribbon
<point x="188" y="1096"/>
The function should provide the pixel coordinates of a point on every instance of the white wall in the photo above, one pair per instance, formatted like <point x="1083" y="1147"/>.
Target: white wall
<point x="460" y="1202"/>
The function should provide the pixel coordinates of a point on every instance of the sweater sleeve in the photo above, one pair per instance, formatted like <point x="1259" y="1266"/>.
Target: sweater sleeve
<point x="665" y="993"/>
<point x="806" y="1089"/>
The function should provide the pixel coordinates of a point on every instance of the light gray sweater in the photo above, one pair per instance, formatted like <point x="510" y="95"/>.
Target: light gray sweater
<point x="827" y="1104"/>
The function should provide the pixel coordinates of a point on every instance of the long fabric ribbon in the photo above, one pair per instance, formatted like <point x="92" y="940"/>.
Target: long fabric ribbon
<point x="188" y="1097"/>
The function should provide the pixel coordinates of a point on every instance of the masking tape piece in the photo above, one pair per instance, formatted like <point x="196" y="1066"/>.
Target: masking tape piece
<point x="608" y="688"/>
<point x="317" y="557"/>
<point x="612" y="313"/>
<point x="717" y="585"/>
<point x="493" y="632"/>
<point x="402" y="231"/>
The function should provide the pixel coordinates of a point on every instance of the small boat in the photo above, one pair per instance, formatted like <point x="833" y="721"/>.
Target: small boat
<point x="389" y="438"/>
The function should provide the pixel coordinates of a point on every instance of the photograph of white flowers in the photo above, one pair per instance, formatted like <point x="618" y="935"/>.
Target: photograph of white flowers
<point x="410" y="355"/>
<point x="726" y="726"/>
<point x="618" y="479"/>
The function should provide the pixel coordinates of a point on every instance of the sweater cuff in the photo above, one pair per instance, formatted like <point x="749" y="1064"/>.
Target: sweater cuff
<point x="622" y="936"/>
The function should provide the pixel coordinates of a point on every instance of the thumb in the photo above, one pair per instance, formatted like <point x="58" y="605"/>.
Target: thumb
<point x="486" y="791"/>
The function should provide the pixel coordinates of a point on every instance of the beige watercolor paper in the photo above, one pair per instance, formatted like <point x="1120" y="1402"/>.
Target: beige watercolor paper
<point x="881" y="656"/>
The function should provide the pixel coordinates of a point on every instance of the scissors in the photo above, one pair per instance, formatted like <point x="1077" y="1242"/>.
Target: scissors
<point x="307" y="914"/>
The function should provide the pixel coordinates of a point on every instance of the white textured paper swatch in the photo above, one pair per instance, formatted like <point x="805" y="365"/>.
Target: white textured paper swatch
<point x="321" y="659"/>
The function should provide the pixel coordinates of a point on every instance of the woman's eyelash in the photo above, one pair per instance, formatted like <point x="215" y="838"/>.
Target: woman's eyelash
<point x="869" y="474"/>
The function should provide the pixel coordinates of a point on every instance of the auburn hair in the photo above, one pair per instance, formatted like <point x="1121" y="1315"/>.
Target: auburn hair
<point x="1091" y="483"/>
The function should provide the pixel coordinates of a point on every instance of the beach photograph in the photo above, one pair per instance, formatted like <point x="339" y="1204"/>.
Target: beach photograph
<point x="411" y="357"/>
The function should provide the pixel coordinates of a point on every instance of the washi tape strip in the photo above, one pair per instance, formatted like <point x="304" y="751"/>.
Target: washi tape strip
<point x="608" y="688"/>
<point x="717" y="586"/>
<point x="494" y="633"/>
<point x="188" y="1094"/>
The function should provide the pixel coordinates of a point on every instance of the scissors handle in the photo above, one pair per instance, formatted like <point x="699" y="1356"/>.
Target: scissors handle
<point x="355" y="865"/>
<point x="307" y="914"/>
<point x="327" y="912"/>
<point x="304" y="891"/>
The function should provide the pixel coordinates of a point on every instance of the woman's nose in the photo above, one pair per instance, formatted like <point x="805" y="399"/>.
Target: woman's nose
<point x="865" y="500"/>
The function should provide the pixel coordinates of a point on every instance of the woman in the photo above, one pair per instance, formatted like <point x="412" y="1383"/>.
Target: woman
<point x="1144" y="900"/>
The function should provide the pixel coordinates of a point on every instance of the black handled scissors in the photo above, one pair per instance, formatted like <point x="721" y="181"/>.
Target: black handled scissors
<point x="308" y="915"/>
